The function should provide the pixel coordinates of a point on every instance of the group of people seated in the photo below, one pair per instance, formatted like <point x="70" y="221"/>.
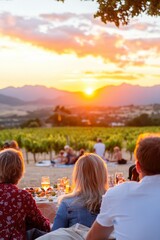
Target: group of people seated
<point x="11" y="144"/>
<point x="67" y="156"/>
<point x="100" y="149"/>
<point x="130" y="209"/>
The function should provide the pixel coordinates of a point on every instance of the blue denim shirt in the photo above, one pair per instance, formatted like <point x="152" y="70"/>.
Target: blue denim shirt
<point x="71" y="212"/>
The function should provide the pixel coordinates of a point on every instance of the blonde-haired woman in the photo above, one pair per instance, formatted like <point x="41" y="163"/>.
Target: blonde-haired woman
<point x="89" y="182"/>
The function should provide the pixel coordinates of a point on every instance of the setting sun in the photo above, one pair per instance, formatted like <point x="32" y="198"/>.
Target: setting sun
<point x="89" y="91"/>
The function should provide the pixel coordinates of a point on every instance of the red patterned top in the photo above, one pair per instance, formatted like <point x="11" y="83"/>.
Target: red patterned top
<point x="18" y="210"/>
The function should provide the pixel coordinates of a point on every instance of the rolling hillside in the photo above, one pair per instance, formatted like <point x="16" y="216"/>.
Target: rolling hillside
<point x="121" y="95"/>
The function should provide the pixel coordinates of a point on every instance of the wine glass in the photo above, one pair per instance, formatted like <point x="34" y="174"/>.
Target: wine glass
<point x="45" y="182"/>
<point x="119" y="177"/>
<point x="111" y="181"/>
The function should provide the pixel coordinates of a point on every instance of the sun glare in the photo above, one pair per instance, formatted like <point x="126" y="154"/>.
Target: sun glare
<point x="89" y="91"/>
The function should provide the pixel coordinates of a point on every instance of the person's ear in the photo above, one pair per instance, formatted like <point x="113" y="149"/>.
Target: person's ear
<point x="138" y="167"/>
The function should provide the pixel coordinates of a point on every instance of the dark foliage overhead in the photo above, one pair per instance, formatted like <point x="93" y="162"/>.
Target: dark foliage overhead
<point x="121" y="11"/>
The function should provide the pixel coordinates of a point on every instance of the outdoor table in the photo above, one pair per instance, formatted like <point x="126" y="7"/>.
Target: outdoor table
<point x="48" y="208"/>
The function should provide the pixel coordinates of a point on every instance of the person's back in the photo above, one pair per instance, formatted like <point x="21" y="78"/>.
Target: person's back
<point x="99" y="148"/>
<point x="132" y="209"/>
<point x="12" y="224"/>
<point x="70" y="212"/>
<point x="81" y="152"/>
<point x="70" y="156"/>
<point x="17" y="205"/>
<point x="83" y="204"/>
<point x="18" y="209"/>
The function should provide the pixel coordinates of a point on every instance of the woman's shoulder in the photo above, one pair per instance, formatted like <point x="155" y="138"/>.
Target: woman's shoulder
<point x="11" y="191"/>
<point x="9" y="188"/>
<point x="24" y="194"/>
<point x="70" y="201"/>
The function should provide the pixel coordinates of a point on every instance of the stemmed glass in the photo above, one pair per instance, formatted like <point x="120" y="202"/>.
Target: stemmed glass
<point x="63" y="185"/>
<point x="119" y="177"/>
<point x="45" y="182"/>
<point x="111" y="181"/>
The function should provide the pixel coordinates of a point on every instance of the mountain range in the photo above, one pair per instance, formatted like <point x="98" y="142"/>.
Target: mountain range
<point x="124" y="94"/>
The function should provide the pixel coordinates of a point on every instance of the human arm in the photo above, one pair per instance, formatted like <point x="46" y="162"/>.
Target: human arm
<point x="61" y="220"/>
<point x="34" y="217"/>
<point x="99" y="232"/>
<point x="113" y="158"/>
<point x="103" y="226"/>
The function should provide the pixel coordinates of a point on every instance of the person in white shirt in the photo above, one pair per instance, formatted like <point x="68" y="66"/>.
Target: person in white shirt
<point x="132" y="209"/>
<point x="99" y="148"/>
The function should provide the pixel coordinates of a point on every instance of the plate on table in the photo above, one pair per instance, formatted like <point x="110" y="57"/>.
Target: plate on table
<point x="53" y="199"/>
<point x="40" y="199"/>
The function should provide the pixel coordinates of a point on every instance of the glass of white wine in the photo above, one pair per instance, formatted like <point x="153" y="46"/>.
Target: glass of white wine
<point x="45" y="182"/>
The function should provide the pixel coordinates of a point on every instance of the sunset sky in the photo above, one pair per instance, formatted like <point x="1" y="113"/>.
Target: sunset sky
<point x="61" y="45"/>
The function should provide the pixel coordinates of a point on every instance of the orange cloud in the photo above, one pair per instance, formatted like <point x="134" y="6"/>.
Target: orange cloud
<point x="62" y="39"/>
<point x="116" y="75"/>
<point x="60" y="34"/>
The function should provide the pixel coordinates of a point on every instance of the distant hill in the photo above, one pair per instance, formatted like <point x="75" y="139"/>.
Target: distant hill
<point x="12" y="101"/>
<point x="32" y="93"/>
<point x="124" y="94"/>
